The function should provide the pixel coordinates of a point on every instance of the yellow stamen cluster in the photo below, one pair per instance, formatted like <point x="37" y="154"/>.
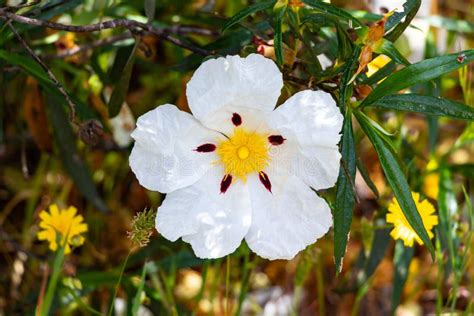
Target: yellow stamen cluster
<point x="403" y="229"/>
<point x="57" y="224"/>
<point x="243" y="153"/>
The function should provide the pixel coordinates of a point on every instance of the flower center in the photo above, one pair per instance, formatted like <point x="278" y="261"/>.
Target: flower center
<point x="243" y="153"/>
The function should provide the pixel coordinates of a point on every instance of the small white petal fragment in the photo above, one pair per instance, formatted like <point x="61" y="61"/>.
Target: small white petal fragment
<point x="312" y="122"/>
<point x="214" y="223"/>
<point x="287" y="220"/>
<point x="164" y="157"/>
<point x="225" y="83"/>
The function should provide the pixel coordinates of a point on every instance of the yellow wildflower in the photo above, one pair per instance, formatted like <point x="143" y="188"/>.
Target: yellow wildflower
<point x="402" y="229"/>
<point x="64" y="222"/>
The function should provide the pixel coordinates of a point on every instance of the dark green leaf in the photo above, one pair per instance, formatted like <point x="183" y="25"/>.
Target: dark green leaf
<point x="121" y="88"/>
<point x="396" y="178"/>
<point x="401" y="262"/>
<point x="332" y="10"/>
<point x="345" y="197"/>
<point x="30" y="67"/>
<point x="420" y="72"/>
<point x="279" y="11"/>
<point x="380" y="74"/>
<point x="410" y="8"/>
<point x="365" y="175"/>
<point x="73" y="163"/>
<point x="242" y="14"/>
<point x="346" y="77"/>
<point x="426" y="105"/>
<point x="391" y="51"/>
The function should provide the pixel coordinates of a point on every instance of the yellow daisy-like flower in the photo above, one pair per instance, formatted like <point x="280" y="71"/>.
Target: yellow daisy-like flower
<point x="403" y="229"/>
<point x="65" y="223"/>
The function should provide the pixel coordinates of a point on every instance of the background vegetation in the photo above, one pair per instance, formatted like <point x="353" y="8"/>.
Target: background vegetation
<point x="69" y="99"/>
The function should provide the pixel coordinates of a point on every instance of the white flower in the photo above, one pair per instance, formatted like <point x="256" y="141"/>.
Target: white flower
<point x="238" y="169"/>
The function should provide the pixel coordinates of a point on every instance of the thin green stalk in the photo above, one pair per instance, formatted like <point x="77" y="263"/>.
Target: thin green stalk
<point x="53" y="282"/>
<point x="122" y="270"/>
<point x="439" y="279"/>
<point x="137" y="299"/>
<point x="227" y="282"/>
<point x="360" y="295"/>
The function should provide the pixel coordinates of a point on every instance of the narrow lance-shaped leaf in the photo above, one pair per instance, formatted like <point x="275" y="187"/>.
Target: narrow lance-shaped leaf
<point x="420" y="72"/>
<point x="332" y="10"/>
<point x="387" y="48"/>
<point x="426" y="105"/>
<point x="32" y="68"/>
<point x="395" y="177"/>
<point x="242" y="14"/>
<point x="121" y="88"/>
<point x="345" y="196"/>
<point x="279" y="10"/>
<point x="410" y="7"/>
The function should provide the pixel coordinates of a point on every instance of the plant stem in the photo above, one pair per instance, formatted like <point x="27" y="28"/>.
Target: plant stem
<point x="111" y="308"/>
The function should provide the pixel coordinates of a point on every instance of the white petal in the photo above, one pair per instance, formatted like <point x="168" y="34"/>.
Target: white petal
<point x="311" y="122"/>
<point x="287" y="220"/>
<point x="164" y="157"/>
<point x="214" y="223"/>
<point x="225" y="83"/>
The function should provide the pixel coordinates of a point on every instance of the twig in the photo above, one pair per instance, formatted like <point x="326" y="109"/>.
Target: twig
<point x="98" y="43"/>
<point x="131" y="25"/>
<point x="22" y="5"/>
<point x="72" y="106"/>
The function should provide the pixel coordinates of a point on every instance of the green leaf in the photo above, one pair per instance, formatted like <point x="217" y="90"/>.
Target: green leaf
<point x="121" y="88"/>
<point x="420" y="72"/>
<point x="73" y="163"/>
<point x="332" y="10"/>
<point x="410" y="8"/>
<point x="401" y="262"/>
<point x="380" y="74"/>
<point x="426" y="105"/>
<point x="346" y="77"/>
<point x="345" y="197"/>
<point x="242" y="14"/>
<point x="279" y="11"/>
<point x="365" y="175"/>
<point x="387" y="48"/>
<point x="396" y="178"/>
<point x="31" y="67"/>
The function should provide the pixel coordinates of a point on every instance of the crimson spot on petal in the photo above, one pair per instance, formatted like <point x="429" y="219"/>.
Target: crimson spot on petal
<point x="276" y="140"/>
<point x="206" y="148"/>
<point x="236" y="119"/>
<point x="226" y="182"/>
<point x="265" y="181"/>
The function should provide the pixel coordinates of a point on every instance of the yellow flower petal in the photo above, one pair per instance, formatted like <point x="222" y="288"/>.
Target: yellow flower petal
<point x="402" y="229"/>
